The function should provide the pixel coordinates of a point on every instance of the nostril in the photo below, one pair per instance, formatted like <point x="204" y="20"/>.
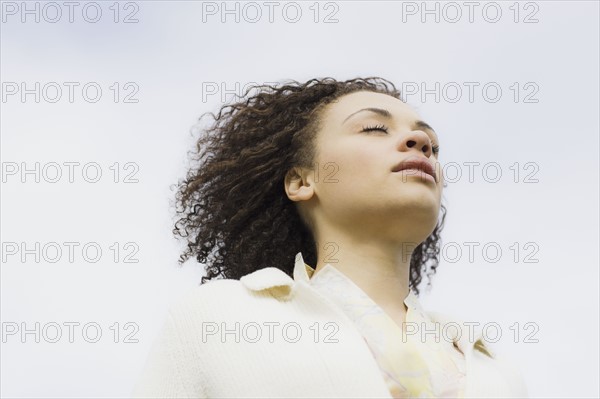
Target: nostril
<point x="411" y="143"/>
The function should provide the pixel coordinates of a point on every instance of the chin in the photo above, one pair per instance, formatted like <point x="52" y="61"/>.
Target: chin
<point x="425" y="201"/>
<point x="423" y="207"/>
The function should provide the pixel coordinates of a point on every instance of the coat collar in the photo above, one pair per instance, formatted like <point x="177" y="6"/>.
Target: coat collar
<point x="279" y="284"/>
<point x="276" y="280"/>
<point x="272" y="277"/>
<point x="302" y="271"/>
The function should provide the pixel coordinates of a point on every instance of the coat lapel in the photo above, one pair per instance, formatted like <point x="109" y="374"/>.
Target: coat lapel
<point x="486" y="374"/>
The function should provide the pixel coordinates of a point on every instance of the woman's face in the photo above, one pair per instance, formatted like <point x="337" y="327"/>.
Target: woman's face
<point x="353" y="178"/>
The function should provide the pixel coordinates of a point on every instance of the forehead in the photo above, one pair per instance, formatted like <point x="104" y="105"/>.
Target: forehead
<point x="337" y="111"/>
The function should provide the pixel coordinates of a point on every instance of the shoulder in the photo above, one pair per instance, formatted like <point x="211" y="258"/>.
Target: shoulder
<point x="260" y="291"/>
<point x="211" y="291"/>
<point x="220" y="294"/>
<point x="494" y="370"/>
<point x="467" y="336"/>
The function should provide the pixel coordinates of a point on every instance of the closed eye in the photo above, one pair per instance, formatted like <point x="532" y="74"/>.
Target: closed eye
<point x="434" y="148"/>
<point x="382" y="128"/>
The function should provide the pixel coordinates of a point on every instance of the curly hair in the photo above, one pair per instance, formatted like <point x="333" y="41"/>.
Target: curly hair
<point x="232" y="207"/>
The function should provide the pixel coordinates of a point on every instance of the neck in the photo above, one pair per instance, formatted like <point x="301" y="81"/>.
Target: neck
<point x="380" y="267"/>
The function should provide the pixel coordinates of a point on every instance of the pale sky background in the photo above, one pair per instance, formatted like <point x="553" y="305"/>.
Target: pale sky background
<point x="171" y="54"/>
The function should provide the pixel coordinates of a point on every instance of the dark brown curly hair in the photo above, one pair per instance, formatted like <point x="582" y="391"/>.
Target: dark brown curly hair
<point x="232" y="207"/>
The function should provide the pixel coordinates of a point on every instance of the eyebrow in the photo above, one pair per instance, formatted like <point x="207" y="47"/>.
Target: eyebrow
<point x="423" y="125"/>
<point x="386" y="114"/>
<point x="383" y="112"/>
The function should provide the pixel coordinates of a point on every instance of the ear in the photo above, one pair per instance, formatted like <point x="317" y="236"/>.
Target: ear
<point x="298" y="184"/>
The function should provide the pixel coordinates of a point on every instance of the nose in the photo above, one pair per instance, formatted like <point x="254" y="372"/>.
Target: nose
<point x="418" y="140"/>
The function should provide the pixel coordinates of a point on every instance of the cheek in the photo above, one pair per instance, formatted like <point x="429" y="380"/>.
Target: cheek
<point x="348" y="166"/>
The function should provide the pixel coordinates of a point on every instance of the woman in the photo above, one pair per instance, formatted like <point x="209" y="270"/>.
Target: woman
<point x="343" y="176"/>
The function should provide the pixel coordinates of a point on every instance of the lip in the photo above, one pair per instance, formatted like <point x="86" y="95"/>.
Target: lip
<point x="416" y="163"/>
